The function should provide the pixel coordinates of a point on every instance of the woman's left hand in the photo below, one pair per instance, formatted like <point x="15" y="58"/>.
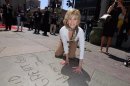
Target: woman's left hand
<point x="77" y="69"/>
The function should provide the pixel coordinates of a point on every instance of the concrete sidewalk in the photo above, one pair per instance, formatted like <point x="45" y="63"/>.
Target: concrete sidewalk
<point x="27" y="59"/>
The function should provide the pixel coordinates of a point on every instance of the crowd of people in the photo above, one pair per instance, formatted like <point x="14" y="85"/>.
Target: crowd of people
<point x="46" y="20"/>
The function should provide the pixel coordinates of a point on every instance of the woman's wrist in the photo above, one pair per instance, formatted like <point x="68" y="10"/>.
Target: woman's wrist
<point x="80" y="63"/>
<point x="66" y="55"/>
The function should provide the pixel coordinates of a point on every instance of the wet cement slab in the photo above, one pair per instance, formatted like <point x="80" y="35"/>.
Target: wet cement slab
<point x="39" y="69"/>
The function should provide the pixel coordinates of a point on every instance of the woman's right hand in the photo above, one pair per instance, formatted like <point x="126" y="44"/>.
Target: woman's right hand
<point x="66" y="61"/>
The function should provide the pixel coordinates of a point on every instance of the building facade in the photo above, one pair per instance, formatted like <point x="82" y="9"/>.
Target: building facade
<point x="95" y="7"/>
<point x="21" y="4"/>
<point x="15" y="3"/>
<point x="31" y="4"/>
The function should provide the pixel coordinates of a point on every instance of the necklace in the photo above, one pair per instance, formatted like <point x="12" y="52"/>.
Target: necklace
<point x="73" y="36"/>
<point x="70" y="29"/>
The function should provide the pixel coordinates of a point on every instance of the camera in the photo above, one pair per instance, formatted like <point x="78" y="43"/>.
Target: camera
<point x="115" y="3"/>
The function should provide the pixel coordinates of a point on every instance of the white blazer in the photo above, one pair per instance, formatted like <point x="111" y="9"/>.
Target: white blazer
<point x="80" y="38"/>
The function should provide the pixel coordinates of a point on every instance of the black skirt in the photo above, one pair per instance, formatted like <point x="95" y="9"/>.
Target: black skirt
<point x="109" y="28"/>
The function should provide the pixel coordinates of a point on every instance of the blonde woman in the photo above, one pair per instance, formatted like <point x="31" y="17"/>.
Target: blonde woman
<point x="71" y="35"/>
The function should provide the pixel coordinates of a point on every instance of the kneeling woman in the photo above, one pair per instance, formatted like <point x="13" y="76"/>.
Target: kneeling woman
<point x="71" y="35"/>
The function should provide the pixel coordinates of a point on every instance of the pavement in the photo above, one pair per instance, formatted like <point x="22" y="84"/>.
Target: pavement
<point x="27" y="59"/>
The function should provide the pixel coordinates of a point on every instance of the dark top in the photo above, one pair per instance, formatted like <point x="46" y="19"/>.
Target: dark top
<point x="53" y="19"/>
<point x="110" y="25"/>
<point x="114" y="14"/>
<point x="7" y="12"/>
<point x="23" y="18"/>
<point x="37" y="16"/>
<point x="46" y="17"/>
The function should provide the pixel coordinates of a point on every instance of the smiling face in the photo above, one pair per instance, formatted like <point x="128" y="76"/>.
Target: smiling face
<point x="73" y="22"/>
<point x="72" y="18"/>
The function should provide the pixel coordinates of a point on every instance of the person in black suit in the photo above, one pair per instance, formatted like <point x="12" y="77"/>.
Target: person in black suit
<point x="45" y="21"/>
<point x="8" y="17"/>
<point x="37" y="21"/>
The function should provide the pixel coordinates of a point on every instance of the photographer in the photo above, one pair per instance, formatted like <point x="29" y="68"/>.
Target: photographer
<point x="111" y="26"/>
<point x="8" y="16"/>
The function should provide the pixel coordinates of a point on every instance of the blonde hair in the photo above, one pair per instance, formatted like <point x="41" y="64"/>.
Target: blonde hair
<point x="69" y="14"/>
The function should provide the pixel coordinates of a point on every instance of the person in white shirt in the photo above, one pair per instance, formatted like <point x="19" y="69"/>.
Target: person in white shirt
<point x="71" y="35"/>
